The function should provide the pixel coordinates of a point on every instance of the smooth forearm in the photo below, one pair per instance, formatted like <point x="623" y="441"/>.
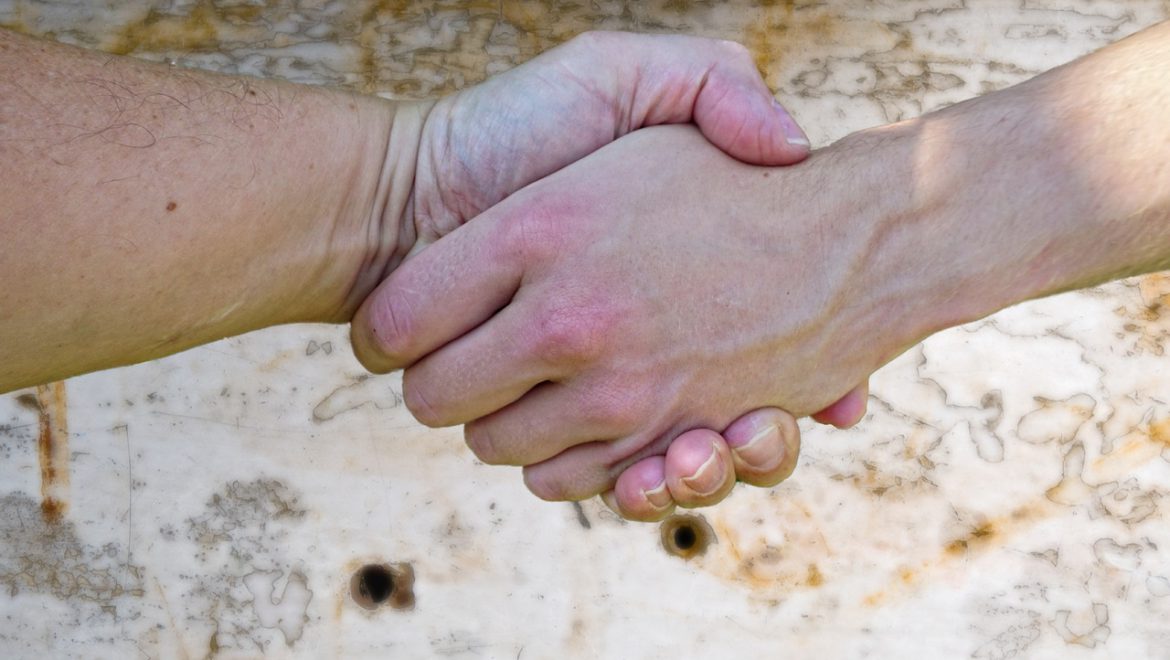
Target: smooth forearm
<point x="1056" y="184"/>
<point x="148" y="209"/>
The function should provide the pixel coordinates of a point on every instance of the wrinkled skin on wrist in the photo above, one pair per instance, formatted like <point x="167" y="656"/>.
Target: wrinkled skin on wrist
<point x="655" y="287"/>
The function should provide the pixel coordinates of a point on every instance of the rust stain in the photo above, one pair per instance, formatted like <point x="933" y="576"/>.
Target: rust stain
<point x="784" y="27"/>
<point x="772" y="566"/>
<point x="1148" y="324"/>
<point x="195" y="31"/>
<point x="815" y="577"/>
<point x="1144" y="443"/>
<point x="1155" y="291"/>
<point x="440" y="67"/>
<point x="1159" y="432"/>
<point x="982" y="537"/>
<point x="52" y="448"/>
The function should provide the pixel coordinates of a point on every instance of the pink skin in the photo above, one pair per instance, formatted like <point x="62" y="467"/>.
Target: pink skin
<point x="760" y="449"/>
<point x="579" y="343"/>
<point x="487" y="141"/>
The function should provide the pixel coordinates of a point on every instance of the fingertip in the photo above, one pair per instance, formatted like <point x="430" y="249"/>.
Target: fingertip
<point x="739" y="115"/>
<point x="765" y="446"/>
<point x="378" y="332"/>
<point x="699" y="469"/>
<point x="847" y="411"/>
<point x="361" y="340"/>
<point x="783" y="141"/>
<point x="640" y="493"/>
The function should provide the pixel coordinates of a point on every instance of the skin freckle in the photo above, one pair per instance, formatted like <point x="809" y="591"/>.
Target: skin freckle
<point x="171" y="206"/>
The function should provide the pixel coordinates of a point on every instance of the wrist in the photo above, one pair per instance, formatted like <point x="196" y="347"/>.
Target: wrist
<point x="377" y="226"/>
<point x="961" y="202"/>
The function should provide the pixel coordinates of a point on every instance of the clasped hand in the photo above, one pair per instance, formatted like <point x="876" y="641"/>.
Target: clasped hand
<point x="625" y="319"/>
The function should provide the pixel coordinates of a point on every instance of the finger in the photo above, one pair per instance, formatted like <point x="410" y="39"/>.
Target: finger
<point x="548" y="420"/>
<point x="848" y="410"/>
<point x="493" y="366"/>
<point x="640" y="493"/>
<point x="737" y="113"/>
<point x="436" y="296"/>
<point x="714" y="84"/>
<point x="765" y="446"/>
<point x="588" y="469"/>
<point x="699" y="469"/>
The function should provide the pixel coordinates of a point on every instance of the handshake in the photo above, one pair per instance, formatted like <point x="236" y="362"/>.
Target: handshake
<point x="619" y="315"/>
<point x="617" y="265"/>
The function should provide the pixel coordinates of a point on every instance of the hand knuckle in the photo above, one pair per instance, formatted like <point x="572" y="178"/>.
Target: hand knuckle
<point x="568" y="336"/>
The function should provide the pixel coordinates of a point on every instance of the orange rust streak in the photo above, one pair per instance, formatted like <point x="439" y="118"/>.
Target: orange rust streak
<point x="980" y="538"/>
<point x="1160" y="432"/>
<point x="1125" y="458"/>
<point x="53" y="450"/>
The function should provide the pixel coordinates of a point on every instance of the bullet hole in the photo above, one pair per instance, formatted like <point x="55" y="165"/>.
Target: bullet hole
<point x="375" y="585"/>
<point x="686" y="536"/>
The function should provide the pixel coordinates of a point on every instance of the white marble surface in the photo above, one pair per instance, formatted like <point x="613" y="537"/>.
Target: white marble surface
<point x="1006" y="496"/>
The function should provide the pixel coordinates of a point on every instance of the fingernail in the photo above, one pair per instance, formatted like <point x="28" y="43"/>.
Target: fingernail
<point x="709" y="477"/>
<point x="658" y="496"/>
<point x="764" y="450"/>
<point x="793" y="134"/>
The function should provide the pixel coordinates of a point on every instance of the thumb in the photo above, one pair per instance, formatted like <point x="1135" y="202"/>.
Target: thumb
<point x="714" y="84"/>
<point x="736" y="112"/>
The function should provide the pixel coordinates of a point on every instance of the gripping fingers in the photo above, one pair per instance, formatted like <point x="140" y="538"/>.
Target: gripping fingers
<point x="765" y="446"/>
<point x="699" y="469"/>
<point x="640" y="493"/>
<point x="848" y="410"/>
<point x="437" y="296"/>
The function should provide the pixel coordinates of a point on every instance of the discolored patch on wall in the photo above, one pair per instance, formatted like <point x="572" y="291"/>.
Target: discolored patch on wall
<point x="1145" y="314"/>
<point x="38" y="556"/>
<point x="361" y="391"/>
<point x="247" y="589"/>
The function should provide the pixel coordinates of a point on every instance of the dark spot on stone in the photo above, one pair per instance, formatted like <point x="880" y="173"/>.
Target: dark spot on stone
<point x="686" y="536"/>
<point x="374" y="585"/>
<point x="582" y="520"/>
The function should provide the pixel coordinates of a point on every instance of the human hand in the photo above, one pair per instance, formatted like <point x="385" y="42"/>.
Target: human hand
<point x="563" y="354"/>
<point x="487" y="141"/>
<point x="700" y="467"/>
<point x="494" y="138"/>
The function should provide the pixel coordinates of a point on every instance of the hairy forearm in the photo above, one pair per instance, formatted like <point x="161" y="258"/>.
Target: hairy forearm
<point x="1056" y="184"/>
<point x="146" y="209"/>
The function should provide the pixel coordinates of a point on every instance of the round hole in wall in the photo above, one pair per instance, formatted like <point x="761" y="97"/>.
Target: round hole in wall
<point x="686" y="536"/>
<point x="374" y="585"/>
